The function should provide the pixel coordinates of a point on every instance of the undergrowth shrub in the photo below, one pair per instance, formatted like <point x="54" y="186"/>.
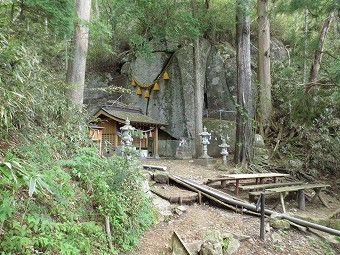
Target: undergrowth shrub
<point x="310" y="121"/>
<point x="114" y="187"/>
<point x="64" y="210"/>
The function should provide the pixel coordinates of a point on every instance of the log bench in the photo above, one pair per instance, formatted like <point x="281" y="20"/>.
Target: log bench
<point x="284" y="191"/>
<point x="268" y="185"/>
<point x="259" y="178"/>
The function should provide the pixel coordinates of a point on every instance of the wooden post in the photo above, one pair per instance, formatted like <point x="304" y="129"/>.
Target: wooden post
<point x="155" y="145"/>
<point x="237" y="186"/>
<point x="224" y="183"/>
<point x="199" y="198"/>
<point x="301" y="201"/>
<point x="282" y="199"/>
<point x="115" y="126"/>
<point x="262" y="216"/>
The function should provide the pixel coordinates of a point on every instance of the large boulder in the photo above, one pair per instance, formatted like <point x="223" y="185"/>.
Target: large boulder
<point x="221" y="80"/>
<point x="174" y="103"/>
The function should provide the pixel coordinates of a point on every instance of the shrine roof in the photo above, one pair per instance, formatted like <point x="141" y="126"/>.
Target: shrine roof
<point x="134" y="115"/>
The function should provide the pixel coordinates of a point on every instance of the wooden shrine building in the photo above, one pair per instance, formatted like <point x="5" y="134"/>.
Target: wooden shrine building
<point x="112" y="118"/>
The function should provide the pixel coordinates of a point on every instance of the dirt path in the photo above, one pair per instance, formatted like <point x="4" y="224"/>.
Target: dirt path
<point x="197" y="222"/>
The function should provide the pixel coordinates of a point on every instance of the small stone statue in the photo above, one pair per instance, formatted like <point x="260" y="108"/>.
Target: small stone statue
<point x="181" y="151"/>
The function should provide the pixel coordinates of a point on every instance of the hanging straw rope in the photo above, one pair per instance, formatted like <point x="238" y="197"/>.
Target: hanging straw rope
<point x="163" y="72"/>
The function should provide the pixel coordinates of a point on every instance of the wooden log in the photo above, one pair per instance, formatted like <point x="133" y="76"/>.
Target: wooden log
<point x="211" y="197"/>
<point x="301" y="199"/>
<point x="162" y="168"/>
<point x="176" y="199"/>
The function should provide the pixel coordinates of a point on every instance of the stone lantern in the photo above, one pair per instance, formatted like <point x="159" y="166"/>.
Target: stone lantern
<point x="224" y="151"/>
<point x="126" y="134"/>
<point x="205" y="137"/>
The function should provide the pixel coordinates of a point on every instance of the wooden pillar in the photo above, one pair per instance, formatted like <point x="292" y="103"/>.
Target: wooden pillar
<point x="237" y="186"/>
<point x="224" y="183"/>
<point x="115" y="125"/>
<point x="155" y="145"/>
<point x="301" y="201"/>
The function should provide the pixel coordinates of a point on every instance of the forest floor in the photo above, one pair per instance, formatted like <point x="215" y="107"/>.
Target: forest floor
<point x="195" y="223"/>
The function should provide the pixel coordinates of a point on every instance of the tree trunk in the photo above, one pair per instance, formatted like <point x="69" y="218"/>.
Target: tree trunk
<point x="264" y="79"/>
<point x="305" y="75"/>
<point x="75" y="77"/>
<point x="245" y="91"/>
<point x="319" y="52"/>
<point x="198" y="88"/>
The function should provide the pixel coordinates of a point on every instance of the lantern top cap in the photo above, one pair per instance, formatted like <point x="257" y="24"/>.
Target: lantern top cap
<point x="205" y="133"/>
<point x="127" y="125"/>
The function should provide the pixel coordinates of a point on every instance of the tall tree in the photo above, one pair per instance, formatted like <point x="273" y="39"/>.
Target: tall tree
<point x="75" y="77"/>
<point x="198" y="87"/>
<point x="245" y="92"/>
<point x="319" y="51"/>
<point x="264" y="78"/>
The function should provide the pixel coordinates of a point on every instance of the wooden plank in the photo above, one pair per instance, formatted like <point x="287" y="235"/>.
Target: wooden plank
<point x="163" y="168"/>
<point x="252" y="176"/>
<point x="230" y="177"/>
<point x="218" y="179"/>
<point x="257" y="193"/>
<point x="298" y="187"/>
<point x="269" y="185"/>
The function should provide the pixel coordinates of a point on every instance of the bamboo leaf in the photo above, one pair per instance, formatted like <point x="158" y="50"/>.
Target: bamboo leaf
<point x="44" y="185"/>
<point x="8" y="165"/>
<point x="33" y="182"/>
<point x="5" y="169"/>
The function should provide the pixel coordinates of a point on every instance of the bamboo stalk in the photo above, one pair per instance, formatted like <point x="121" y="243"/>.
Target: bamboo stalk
<point x="108" y="231"/>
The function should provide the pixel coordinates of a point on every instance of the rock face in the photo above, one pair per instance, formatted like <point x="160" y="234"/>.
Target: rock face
<point x="221" y="82"/>
<point x="174" y="102"/>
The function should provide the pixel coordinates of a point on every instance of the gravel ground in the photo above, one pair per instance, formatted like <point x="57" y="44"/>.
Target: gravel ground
<point x="195" y="223"/>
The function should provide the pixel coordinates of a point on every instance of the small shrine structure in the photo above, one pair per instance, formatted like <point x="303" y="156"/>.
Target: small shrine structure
<point x="113" y="118"/>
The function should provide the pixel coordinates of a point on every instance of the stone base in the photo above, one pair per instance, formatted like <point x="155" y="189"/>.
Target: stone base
<point x="208" y="162"/>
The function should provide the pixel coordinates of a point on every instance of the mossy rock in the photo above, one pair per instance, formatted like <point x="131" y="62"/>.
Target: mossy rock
<point x="280" y="224"/>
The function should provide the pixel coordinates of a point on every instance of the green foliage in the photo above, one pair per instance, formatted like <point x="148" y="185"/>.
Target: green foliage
<point x="114" y="190"/>
<point x="310" y="119"/>
<point x="56" y="16"/>
<point x="27" y="98"/>
<point x="68" y="215"/>
<point x="141" y="25"/>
